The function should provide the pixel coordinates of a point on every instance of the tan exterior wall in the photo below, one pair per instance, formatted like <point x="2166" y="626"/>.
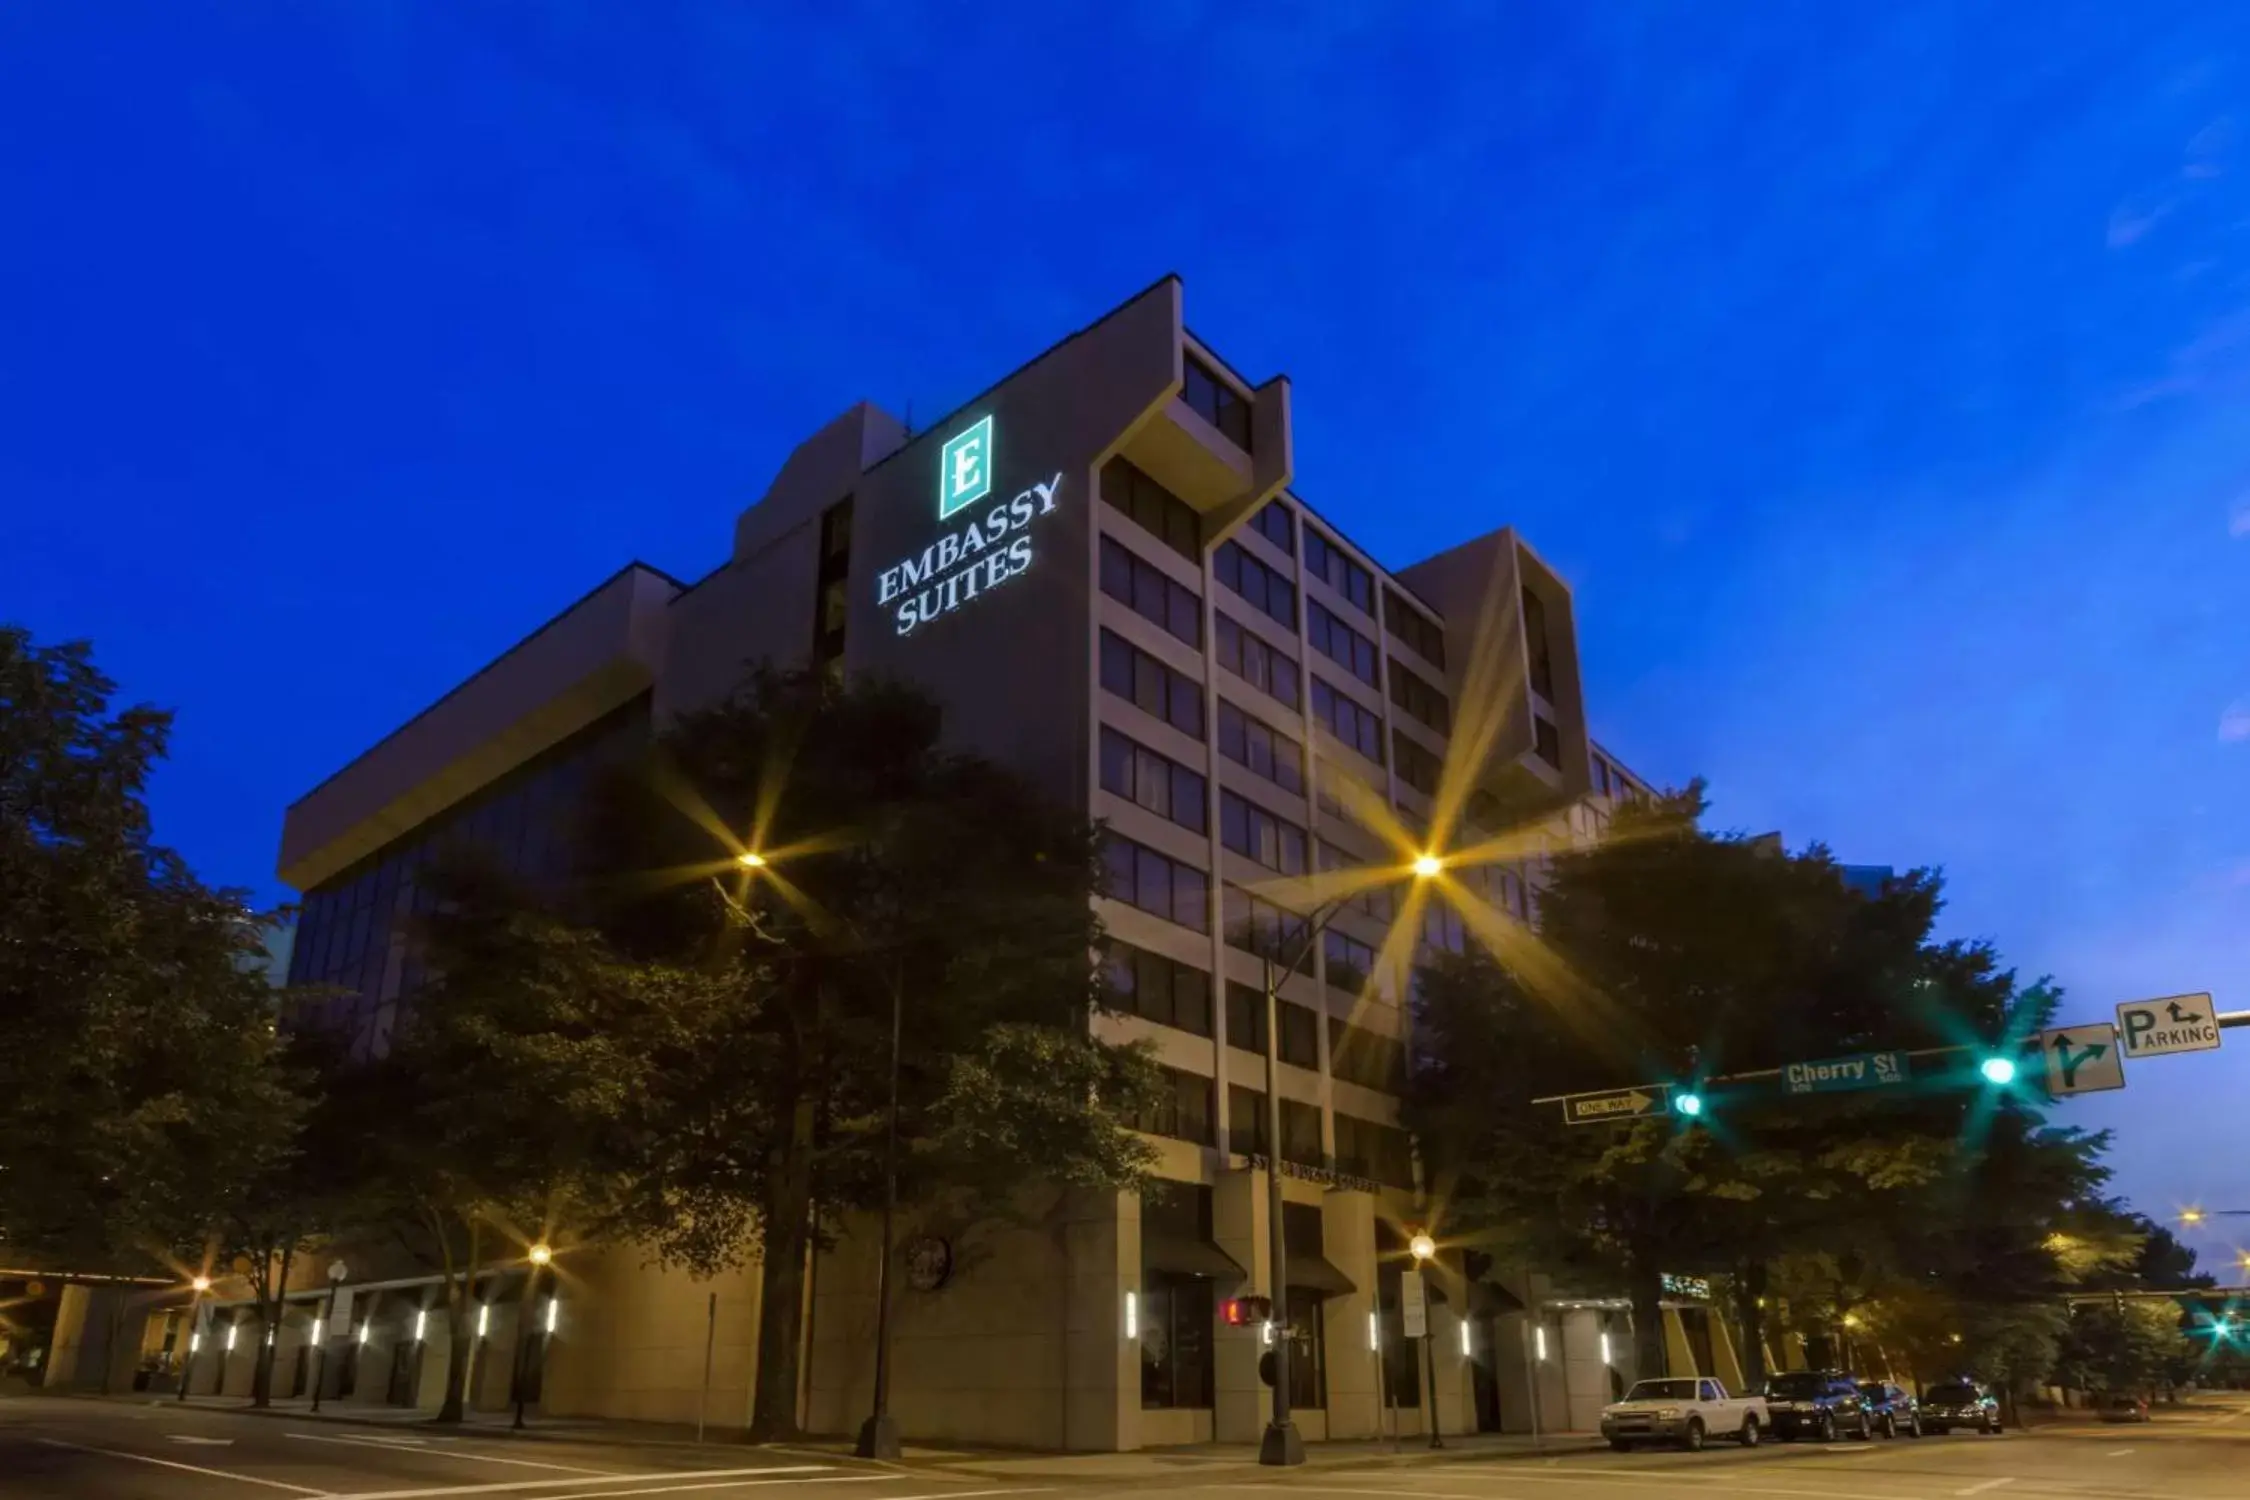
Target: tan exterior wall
<point x="630" y="1337"/>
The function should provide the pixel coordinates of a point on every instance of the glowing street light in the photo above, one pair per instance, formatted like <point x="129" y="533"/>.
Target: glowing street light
<point x="750" y="859"/>
<point x="1422" y="1246"/>
<point x="1427" y="865"/>
<point x="540" y="1254"/>
<point x="201" y="1284"/>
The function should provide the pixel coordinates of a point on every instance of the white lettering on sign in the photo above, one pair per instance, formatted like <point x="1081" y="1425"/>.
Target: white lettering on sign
<point x="1804" y="1075"/>
<point x="961" y="565"/>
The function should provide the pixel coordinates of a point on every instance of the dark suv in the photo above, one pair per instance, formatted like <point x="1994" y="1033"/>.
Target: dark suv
<point x="1960" y="1403"/>
<point x="1817" y="1404"/>
<point x="1895" y="1411"/>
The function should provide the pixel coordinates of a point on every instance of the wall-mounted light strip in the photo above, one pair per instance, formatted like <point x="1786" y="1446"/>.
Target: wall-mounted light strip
<point x="1132" y="1315"/>
<point x="421" y="1322"/>
<point x="1374" y="1331"/>
<point x="551" y="1310"/>
<point x="1539" y="1340"/>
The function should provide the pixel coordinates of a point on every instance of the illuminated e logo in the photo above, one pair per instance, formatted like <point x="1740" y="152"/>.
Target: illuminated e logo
<point x="965" y="468"/>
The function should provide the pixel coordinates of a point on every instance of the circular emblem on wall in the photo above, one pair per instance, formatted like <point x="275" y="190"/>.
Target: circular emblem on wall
<point x="929" y="1262"/>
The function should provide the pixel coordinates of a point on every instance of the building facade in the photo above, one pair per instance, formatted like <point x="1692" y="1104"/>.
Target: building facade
<point x="1098" y="567"/>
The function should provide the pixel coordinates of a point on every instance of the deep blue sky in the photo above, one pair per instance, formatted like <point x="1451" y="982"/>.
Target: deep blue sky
<point x="1875" y="376"/>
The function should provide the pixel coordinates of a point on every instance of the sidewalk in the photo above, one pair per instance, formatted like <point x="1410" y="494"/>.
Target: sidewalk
<point x="969" y="1463"/>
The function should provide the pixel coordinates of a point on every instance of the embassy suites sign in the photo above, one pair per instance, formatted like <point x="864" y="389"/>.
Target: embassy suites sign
<point x="965" y="564"/>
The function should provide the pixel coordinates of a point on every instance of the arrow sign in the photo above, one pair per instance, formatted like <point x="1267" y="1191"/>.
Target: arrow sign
<point x="1619" y="1104"/>
<point x="2082" y="1059"/>
<point x="2168" y="1024"/>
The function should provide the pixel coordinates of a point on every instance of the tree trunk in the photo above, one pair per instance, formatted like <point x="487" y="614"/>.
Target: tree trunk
<point x="1750" y="1317"/>
<point x="782" y="1281"/>
<point x="1645" y="1283"/>
<point x="458" y="1289"/>
<point x="270" y="1307"/>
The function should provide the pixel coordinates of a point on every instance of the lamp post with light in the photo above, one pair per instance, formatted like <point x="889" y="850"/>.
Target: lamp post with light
<point x="539" y="1257"/>
<point x="1281" y="1445"/>
<point x="199" y="1285"/>
<point x="326" y="1329"/>
<point x="1424" y="1250"/>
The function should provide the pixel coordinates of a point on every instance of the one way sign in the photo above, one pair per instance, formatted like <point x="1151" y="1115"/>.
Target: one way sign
<point x="2176" y="1023"/>
<point x="2082" y="1059"/>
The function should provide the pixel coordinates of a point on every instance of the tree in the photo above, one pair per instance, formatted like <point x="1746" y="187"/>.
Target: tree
<point x="1667" y="954"/>
<point x="2121" y="1348"/>
<point x="506" y="1076"/>
<point x="140" y="1082"/>
<point x="897" y="875"/>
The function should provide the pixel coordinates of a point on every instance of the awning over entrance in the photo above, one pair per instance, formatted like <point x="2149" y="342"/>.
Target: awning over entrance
<point x="1182" y="1256"/>
<point x="1315" y="1273"/>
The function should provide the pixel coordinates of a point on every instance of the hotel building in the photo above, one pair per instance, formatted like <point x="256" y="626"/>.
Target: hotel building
<point x="1099" y="568"/>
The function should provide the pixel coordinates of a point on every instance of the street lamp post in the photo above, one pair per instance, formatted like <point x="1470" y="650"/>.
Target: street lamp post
<point x="1425" y="1251"/>
<point x="878" y="1435"/>
<point x="337" y="1271"/>
<point x="199" y="1286"/>
<point x="540" y="1256"/>
<point x="1282" y="1446"/>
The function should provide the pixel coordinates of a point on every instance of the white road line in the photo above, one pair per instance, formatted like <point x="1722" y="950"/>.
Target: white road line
<point x="2117" y="1453"/>
<point x="166" y="1463"/>
<point x="199" y="1442"/>
<point x="731" y="1484"/>
<point x="1989" y="1484"/>
<point x="741" y="1478"/>
<point x="482" y="1458"/>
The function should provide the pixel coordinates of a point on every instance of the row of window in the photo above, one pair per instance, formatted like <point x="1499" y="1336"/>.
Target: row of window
<point x="1155" y="509"/>
<point x="1257" y="661"/>
<point x="1367" y="1058"/>
<point x="1263" y="588"/>
<point x="1151" y="593"/>
<point x="1413" y="629"/>
<point x="1359" y="727"/>
<point x="1249" y="829"/>
<point x="1215" y="401"/>
<point x="1420" y="698"/>
<point x="1419" y="768"/>
<point x="1333" y="566"/>
<point x="1365" y="1148"/>
<point x="1351" y="963"/>
<point x="1156" y="883"/>
<point x="1272" y="523"/>
<point x="1155" y="782"/>
<point x="1341" y="644"/>
<point x="1260" y="748"/>
<point x="1170" y="993"/>
<point x="1140" y="679"/>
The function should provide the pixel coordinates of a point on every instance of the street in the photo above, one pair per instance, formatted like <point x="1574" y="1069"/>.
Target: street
<point x="87" y="1450"/>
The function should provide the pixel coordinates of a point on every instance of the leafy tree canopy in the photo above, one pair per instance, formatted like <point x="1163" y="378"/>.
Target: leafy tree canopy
<point x="139" y="1082"/>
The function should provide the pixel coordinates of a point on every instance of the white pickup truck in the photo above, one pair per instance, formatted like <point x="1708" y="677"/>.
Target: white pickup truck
<point x="1688" y="1411"/>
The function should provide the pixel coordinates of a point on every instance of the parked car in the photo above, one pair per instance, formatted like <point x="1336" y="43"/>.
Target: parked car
<point x="1895" y="1410"/>
<point x="1817" y="1404"/>
<point x="2125" y="1409"/>
<point x="1960" y="1403"/>
<point x="1686" y="1411"/>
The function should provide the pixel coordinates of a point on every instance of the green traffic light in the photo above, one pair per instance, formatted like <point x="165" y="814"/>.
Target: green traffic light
<point x="1689" y="1104"/>
<point x="1999" y="1071"/>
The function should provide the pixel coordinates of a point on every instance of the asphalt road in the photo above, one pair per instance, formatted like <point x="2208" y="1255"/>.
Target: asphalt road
<point x="78" y="1450"/>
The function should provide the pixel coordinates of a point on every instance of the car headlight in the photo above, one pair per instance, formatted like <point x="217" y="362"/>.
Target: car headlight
<point x="1668" y="1414"/>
